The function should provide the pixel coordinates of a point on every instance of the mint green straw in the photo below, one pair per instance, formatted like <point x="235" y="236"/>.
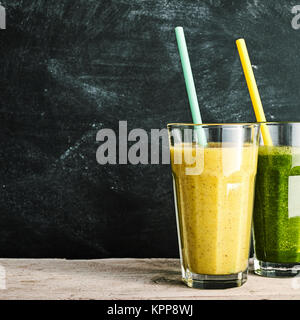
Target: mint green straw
<point x="190" y="85"/>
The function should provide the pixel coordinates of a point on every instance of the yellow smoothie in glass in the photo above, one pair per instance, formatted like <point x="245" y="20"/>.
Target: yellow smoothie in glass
<point x="214" y="195"/>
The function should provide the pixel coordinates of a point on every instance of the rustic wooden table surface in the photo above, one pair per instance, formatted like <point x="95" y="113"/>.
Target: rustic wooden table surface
<point x="122" y="279"/>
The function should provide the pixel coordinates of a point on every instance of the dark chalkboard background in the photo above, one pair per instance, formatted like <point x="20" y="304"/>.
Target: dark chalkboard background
<point x="71" y="67"/>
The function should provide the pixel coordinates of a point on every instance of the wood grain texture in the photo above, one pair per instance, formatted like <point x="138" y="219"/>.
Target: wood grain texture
<point x="123" y="279"/>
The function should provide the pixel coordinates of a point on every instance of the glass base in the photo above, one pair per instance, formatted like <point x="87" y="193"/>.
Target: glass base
<point x="205" y="281"/>
<point x="274" y="270"/>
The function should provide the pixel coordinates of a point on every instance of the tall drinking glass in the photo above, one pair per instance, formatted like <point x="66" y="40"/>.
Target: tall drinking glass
<point x="214" y="192"/>
<point x="276" y="219"/>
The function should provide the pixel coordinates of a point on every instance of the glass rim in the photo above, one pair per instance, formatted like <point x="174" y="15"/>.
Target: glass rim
<point x="233" y="125"/>
<point x="279" y="122"/>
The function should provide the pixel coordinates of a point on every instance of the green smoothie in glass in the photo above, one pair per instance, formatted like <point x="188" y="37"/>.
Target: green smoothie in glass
<point x="276" y="218"/>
